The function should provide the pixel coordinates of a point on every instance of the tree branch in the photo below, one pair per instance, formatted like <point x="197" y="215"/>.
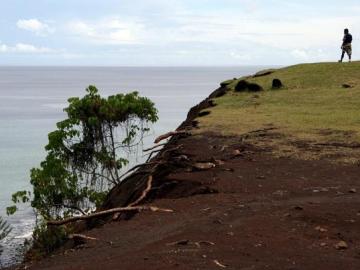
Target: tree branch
<point x="144" y="193"/>
<point x="107" y="212"/>
<point x="169" y="134"/>
<point x="154" y="147"/>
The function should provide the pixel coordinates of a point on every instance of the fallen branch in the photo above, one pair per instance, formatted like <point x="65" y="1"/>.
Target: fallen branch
<point x="169" y="134"/>
<point x="107" y="212"/>
<point x="144" y="193"/>
<point x="82" y="237"/>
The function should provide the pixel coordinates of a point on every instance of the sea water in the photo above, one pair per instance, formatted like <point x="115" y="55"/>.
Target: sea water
<point x="32" y="101"/>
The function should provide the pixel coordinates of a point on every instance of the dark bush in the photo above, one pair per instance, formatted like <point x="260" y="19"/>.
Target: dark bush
<point x="241" y="86"/>
<point x="253" y="87"/>
<point x="277" y="84"/>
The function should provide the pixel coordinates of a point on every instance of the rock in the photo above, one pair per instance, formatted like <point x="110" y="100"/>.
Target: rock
<point x="226" y="83"/>
<point x="320" y="229"/>
<point x="353" y="190"/>
<point x="264" y="72"/>
<point x="341" y="245"/>
<point x="323" y="245"/>
<point x="346" y="85"/>
<point x="204" y="166"/>
<point x="276" y="84"/>
<point x="241" y="86"/>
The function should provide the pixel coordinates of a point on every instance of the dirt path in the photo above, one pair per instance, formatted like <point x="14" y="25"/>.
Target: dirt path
<point x="251" y="211"/>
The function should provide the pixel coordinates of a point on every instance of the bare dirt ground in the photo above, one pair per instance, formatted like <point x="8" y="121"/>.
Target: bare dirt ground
<point x="250" y="211"/>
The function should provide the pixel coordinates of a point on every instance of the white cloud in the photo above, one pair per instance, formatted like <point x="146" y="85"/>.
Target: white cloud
<point x="107" y="31"/>
<point x="35" y="26"/>
<point x="24" y="48"/>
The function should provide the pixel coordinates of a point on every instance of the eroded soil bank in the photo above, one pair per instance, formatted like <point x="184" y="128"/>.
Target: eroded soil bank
<point x="235" y="206"/>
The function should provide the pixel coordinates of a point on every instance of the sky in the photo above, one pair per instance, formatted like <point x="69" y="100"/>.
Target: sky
<point x="174" y="32"/>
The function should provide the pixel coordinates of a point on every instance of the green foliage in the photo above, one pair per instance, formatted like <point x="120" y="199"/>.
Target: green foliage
<point x="47" y="239"/>
<point x="5" y="229"/>
<point x="86" y="153"/>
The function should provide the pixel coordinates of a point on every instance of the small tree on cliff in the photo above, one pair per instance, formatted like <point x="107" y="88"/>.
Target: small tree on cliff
<point x="87" y="152"/>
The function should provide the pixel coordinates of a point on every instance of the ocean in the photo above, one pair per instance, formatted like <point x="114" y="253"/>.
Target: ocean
<point x="32" y="101"/>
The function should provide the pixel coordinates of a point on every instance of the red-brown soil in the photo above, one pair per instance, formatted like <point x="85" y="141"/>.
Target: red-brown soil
<point x="251" y="211"/>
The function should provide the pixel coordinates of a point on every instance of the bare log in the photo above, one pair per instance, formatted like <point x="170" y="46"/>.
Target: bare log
<point x="107" y="212"/>
<point x="169" y="134"/>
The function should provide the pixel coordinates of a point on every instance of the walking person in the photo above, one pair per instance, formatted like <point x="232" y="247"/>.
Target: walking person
<point x="346" y="45"/>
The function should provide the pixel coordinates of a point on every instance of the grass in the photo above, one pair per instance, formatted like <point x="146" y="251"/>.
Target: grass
<point x="313" y="106"/>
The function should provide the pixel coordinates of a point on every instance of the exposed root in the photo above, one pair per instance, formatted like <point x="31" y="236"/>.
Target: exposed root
<point x="164" y="152"/>
<point x="144" y="193"/>
<point x="139" y="166"/>
<point x="154" y="147"/>
<point x="169" y="134"/>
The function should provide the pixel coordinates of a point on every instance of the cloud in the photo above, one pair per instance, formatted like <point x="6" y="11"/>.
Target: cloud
<point x="24" y="48"/>
<point x="107" y="31"/>
<point x="35" y="26"/>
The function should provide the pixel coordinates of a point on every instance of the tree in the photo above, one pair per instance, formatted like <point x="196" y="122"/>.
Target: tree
<point x="87" y="152"/>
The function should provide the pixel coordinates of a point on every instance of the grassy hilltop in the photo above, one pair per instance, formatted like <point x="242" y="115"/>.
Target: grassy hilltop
<point x="312" y="109"/>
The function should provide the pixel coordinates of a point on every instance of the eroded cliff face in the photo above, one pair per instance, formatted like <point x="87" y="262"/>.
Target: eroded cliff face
<point x="164" y="163"/>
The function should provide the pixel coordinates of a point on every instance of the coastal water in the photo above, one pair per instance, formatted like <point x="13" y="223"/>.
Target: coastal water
<point x="32" y="99"/>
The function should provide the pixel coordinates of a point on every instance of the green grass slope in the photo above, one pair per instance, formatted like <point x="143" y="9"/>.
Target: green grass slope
<point x="312" y="109"/>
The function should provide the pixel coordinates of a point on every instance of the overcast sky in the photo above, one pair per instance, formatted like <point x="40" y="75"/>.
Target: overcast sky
<point x="174" y="32"/>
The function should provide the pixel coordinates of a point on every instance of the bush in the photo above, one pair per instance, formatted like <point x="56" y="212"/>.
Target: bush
<point x="85" y="155"/>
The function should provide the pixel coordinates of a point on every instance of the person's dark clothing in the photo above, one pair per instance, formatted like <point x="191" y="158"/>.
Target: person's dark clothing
<point x="347" y="39"/>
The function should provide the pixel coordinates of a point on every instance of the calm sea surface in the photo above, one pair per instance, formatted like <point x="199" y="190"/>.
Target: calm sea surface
<point x="32" y="99"/>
